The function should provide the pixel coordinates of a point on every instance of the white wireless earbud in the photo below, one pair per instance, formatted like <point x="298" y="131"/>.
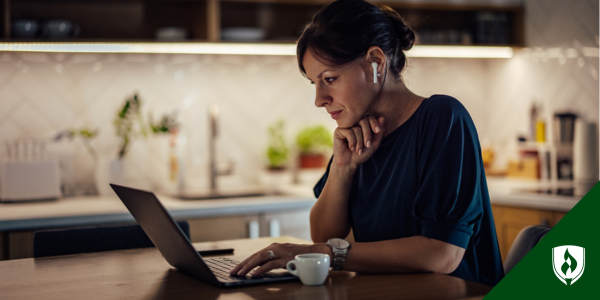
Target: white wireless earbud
<point x="374" y="65"/>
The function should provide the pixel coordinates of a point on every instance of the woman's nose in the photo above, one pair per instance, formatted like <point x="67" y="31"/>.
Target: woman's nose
<point x="321" y="99"/>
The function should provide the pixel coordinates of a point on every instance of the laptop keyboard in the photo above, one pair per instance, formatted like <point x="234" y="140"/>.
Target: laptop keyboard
<point x="220" y="266"/>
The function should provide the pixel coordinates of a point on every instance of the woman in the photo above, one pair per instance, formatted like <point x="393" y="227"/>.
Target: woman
<point x="406" y="173"/>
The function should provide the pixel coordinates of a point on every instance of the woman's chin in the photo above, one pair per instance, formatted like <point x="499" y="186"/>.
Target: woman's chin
<point x="342" y="124"/>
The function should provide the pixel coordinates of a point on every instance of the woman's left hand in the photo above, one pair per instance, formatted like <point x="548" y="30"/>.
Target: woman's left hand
<point x="282" y="253"/>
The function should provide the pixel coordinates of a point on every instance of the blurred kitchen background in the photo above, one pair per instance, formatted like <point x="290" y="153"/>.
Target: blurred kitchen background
<point x="64" y="105"/>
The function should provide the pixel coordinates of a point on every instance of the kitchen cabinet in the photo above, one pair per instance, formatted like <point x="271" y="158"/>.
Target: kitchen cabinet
<point x="113" y="20"/>
<point x="209" y="220"/>
<point x="220" y="228"/>
<point x="279" y="20"/>
<point x="291" y="223"/>
<point x="19" y="244"/>
<point x="511" y="220"/>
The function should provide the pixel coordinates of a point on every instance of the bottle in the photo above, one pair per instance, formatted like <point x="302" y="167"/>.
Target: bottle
<point x="173" y="161"/>
<point x="540" y="131"/>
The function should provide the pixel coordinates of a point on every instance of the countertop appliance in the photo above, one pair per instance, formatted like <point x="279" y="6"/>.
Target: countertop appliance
<point x="27" y="173"/>
<point x="585" y="156"/>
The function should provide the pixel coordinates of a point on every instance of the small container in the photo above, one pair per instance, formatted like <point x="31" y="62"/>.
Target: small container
<point x="171" y="34"/>
<point x="60" y="29"/>
<point x="540" y="131"/>
<point x="243" y="34"/>
<point x="25" y="29"/>
<point x="564" y="127"/>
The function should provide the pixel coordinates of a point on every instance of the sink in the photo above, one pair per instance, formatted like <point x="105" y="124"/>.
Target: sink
<point x="228" y="188"/>
<point x="220" y="194"/>
<point x="569" y="192"/>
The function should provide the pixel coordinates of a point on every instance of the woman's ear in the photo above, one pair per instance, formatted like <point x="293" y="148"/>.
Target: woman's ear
<point x="375" y="58"/>
<point x="376" y="55"/>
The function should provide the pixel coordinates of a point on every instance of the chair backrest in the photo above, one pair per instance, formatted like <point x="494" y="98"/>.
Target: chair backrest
<point x="524" y="242"/>
<point x="93" y="239"/>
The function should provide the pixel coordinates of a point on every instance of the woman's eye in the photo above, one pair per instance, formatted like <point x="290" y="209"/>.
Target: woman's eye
<point x="330" y="79"/>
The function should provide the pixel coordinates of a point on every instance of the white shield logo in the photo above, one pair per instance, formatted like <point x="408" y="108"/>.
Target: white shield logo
<point x="568" y="263"/>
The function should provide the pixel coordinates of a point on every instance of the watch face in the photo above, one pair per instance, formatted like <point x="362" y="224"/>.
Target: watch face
<point x="339" y="243"/>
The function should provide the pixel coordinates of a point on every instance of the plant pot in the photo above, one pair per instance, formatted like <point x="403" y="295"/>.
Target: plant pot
<point x="312" y="161"/>
<point x="124" y="171"/>
<point x="108" y="171"/>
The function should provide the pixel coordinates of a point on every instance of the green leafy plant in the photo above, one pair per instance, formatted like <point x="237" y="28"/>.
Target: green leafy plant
<point x="167" y="124"/>
<point x="129" y="123"/>
<point x="278" y="151"/>
<point x="314" y="140"/>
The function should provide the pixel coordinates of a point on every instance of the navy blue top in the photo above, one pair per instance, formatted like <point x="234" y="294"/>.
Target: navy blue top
<point x="427" y="178"/>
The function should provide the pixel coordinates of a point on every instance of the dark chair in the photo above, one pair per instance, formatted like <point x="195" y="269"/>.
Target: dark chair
<point x="524" y="242"/>
<point x="93" y="239"/>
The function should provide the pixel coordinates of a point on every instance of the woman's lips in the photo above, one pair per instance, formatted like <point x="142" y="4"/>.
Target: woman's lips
<point x="335" y="114"/>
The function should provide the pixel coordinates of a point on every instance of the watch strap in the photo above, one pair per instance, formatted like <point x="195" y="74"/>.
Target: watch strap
<point x="339" y="254"/>
<point x="339" y="258"/>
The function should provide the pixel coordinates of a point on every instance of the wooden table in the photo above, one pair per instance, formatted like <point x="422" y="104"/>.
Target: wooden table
<point x="144" y="274"/>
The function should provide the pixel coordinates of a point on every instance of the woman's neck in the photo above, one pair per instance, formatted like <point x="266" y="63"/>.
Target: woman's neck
<point x="396" y="104"/>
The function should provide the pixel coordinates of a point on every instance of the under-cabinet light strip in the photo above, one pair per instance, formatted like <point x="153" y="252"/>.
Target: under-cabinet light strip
<point x="175" y="48"/>
<point x="460" y="51"/>
<point x="239" y="49"/>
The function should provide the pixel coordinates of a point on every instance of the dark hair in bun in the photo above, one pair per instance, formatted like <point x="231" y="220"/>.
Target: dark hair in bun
<point x="345" y="29"/>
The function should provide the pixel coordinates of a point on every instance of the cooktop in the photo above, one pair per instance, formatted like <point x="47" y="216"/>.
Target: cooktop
<point x="569" y="192"/>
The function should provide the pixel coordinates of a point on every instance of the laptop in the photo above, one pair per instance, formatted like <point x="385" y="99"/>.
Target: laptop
<point x="177" y="249"/>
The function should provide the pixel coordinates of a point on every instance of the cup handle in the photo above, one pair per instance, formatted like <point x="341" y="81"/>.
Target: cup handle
<point x="293" y="272"/>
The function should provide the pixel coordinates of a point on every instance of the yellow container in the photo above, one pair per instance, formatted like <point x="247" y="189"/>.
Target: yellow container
<point x="540" y="131"/>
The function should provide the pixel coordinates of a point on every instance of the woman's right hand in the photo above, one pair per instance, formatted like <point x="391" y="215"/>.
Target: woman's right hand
<point x="355" y="145"/>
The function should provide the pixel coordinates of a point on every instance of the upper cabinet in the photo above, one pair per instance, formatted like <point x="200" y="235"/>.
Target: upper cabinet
<point x="103" y="20"/>
<point x="436" y="23"/>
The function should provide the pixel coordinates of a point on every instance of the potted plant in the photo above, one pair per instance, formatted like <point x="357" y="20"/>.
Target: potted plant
<point x="277" y="154"/>
<point x="128" y="126"/>
<point x="277" y="151"/>
<point x="167" y="143"/>
<point x="312" y="142"/>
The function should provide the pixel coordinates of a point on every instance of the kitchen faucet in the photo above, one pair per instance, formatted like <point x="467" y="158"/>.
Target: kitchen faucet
<point x="214" y="172"/>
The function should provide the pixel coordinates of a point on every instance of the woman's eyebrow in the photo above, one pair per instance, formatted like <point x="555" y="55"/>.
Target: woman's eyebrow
<point x="318" y="76"/>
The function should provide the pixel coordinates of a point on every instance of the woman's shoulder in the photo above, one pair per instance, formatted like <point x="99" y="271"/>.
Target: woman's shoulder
<point x="443" y="106"/>
<point x="443" y="103"/>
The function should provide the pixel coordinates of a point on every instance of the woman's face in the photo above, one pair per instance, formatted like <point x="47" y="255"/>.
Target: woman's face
<point x="344" y="91"/>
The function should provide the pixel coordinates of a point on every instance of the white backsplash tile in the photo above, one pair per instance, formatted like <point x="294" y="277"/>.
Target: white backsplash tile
<point x="9" y="100"/>
<point x="10" y="131"/>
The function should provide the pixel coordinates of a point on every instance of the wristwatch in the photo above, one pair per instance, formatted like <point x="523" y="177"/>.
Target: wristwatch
<point x="340" y="249"/>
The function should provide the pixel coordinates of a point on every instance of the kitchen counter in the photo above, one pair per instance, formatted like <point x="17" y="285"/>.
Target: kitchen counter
<point x="503" y="191"/>
<point x="77" y="211"/>
<point x="517" y="192"/>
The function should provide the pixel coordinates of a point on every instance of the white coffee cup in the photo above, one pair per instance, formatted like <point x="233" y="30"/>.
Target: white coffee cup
<point x="312" y="268"/>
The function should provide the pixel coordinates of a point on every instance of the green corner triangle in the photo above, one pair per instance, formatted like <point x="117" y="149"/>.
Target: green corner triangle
<point x="536" y="276"/>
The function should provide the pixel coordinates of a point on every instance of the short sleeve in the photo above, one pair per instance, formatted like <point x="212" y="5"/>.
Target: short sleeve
<point x="448" y="204"/>
<point x="321" y="183"/>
